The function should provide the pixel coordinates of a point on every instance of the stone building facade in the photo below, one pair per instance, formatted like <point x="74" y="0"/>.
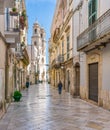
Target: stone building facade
<point x="37" y="51"/>
<point x="87" y="71"/>
<point x="3" y="66"/>
<point x="14" y="56"/>
<point x="93" y="45"/>
<point x="61" y="46"/>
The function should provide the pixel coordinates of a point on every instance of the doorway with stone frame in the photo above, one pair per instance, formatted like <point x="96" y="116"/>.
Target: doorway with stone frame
<point x="77" y="79"/>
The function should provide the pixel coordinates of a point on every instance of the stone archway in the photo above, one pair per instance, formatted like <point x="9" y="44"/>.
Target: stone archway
<point x="77" y="79"/>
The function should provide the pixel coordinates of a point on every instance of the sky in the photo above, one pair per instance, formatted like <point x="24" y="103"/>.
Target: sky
<point x="41" y="11"/>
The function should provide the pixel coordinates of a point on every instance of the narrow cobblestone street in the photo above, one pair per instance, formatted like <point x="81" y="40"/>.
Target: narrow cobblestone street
<point x="41" y="108"/>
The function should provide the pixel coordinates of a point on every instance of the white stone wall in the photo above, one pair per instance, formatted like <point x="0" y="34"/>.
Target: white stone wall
<point x="106" y="68"/>
<point x="2" y="24"/>
<point x="104" y="81"/>
<point x="103" y="6"/>
<point x="2" y="69"/>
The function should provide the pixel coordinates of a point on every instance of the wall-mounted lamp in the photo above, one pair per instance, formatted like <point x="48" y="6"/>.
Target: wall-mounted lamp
<point x="62" y="67"/>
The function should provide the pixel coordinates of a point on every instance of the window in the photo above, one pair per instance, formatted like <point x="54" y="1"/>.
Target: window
<point x="68" y="45"/>
<point x="7" y="19"/>
<point x="35" y="43"/>
<point x="92" y="11"/>
<point x="41" y="35"/>
<point x="35" y="31"/>
<point x="92" y="18"/>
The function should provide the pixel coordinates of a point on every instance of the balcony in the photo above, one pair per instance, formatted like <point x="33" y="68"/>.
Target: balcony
<point x="12" y="35"/>
<point x="96" y="35"/>
<point x="14" y="12"/>
<point x="22" y="54"/>
<point x="58" y="61"/>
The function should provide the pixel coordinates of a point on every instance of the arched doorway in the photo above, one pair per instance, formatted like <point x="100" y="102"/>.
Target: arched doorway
<point x="77" y="79"/>
<point x="68" y="81"/>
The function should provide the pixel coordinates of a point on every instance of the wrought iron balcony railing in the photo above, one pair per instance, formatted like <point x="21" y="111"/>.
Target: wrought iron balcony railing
<point x="59" y="59"/>
<point x="12" y="30"/>
<point x="96" y="31"/>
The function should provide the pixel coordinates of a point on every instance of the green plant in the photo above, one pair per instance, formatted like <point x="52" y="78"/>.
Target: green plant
<point x="14" y="12"/>
<point x="22" y="44"/>
<point x="17" y="95"/>
<point x="14" y="9"/>
<point x="24" y="14"/>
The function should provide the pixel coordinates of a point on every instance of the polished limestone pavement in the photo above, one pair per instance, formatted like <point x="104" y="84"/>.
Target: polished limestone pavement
<point x="42" y="108"/>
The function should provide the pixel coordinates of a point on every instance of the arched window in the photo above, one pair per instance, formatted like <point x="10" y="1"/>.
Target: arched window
<point x="35" y="31"/>
<point x="35" y="43"/>
<point x="41" y="35"/>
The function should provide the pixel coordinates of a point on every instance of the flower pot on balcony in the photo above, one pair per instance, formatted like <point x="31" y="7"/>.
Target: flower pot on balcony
<point x="14" y="12"/>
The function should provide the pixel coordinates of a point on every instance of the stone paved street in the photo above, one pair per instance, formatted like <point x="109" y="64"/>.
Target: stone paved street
<point x="41" y="108"/>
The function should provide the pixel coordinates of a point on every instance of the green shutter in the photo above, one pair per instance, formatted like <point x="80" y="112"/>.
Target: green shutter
<point x="92" y="11"/>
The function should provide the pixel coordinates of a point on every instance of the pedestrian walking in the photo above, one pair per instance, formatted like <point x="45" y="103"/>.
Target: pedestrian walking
<point x="60" y="87"/>
<point x="27" y="84"/>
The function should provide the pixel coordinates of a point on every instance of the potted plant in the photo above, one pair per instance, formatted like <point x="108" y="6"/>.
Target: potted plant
<point x="17" y="96"/>
<point x="14" y="12"/>
<point x="14" y="9"/>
